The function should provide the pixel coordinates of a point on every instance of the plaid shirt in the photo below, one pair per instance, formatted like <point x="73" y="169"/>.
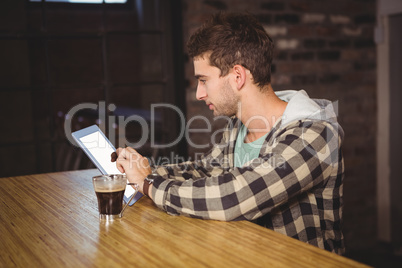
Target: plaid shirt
<point x="294" y="187"/>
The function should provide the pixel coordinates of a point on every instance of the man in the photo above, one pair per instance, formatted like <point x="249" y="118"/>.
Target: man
<point x="279" y="163"/>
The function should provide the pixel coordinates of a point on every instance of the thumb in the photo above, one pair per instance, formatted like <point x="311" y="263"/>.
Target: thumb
<point x="120" y="165"/>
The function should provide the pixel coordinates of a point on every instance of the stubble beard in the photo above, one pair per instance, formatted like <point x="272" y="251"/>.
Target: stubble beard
<point x="228" y="103"/>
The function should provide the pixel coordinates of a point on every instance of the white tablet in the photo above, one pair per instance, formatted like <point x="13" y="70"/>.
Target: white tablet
<point x="99" y="150"/>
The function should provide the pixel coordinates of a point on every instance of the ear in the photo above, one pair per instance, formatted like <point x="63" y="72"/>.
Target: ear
<point x="239" y="73"/>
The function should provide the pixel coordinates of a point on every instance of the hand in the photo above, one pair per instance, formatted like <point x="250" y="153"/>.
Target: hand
<point x="132" y="163"/>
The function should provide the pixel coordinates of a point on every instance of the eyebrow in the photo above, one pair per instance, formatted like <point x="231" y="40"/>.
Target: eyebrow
<point x="198" y="76"/>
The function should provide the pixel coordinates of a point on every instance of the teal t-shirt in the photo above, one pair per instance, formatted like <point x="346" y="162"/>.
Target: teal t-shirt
<point x="245" y="152"/>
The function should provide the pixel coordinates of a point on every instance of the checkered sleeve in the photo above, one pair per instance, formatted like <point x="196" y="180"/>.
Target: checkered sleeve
<point x="210" y="164"/>
<point x="186" y="170"/>
<point x="294" y="160"/>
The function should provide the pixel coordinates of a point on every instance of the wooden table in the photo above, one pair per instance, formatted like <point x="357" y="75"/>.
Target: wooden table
<point x="51" y="220"/>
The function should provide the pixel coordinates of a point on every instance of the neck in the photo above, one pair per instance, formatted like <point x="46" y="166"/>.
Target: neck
<point x="259" y="110"/>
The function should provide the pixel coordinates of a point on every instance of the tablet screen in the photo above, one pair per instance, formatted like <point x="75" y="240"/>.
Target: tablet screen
<point x="99" y="150"/>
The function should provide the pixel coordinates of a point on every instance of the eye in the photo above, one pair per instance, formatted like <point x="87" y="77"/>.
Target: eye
<point x="202" y="81"/>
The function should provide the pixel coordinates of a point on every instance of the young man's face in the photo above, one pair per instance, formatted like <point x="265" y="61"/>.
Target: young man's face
<point x="216" y="91"/>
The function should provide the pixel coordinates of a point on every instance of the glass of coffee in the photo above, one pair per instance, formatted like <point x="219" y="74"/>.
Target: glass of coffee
<point x="109" y="190"/>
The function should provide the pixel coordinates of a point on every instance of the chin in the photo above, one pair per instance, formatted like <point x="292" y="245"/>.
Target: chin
<point x="216" y="114"/>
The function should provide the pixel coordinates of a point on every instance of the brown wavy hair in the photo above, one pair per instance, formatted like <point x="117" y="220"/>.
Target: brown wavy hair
<point x="233" y="39"/>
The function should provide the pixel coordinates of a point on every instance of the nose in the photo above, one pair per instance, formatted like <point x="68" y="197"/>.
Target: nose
<point x="201" y="93"/>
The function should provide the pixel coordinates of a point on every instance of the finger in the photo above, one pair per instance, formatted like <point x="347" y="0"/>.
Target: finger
<point x="122" y="153"/>
<point x="121" y="169"/>
<point x="132" y="154"/>
<point x="120" y="165"/>
<point x="132" y="150"/>
<point x="119" y="150"/>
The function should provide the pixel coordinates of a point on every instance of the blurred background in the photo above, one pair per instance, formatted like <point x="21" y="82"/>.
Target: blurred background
<point x="125" y="55"/>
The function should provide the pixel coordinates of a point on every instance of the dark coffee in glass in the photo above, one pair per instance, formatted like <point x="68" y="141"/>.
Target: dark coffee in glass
<point x="109" y="191"/>
<point x="110" y="202"/>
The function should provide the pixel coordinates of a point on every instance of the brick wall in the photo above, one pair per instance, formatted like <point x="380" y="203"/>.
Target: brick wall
<point x="327" y="48"/>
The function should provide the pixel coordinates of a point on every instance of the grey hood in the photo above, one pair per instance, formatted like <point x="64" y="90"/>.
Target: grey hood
<point x="301" y="106"/>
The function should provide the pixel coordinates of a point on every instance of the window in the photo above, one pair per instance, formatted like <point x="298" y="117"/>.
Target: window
<point x="84" y="1"/>
<point x="61" y="54"/>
